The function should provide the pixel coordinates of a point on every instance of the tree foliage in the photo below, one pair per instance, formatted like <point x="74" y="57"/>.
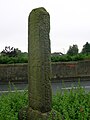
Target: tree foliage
<point x="11" y="55"/>
<point x="73" y="50"/>
<point x="86" y="48"/>
<point x="10" y="51"/>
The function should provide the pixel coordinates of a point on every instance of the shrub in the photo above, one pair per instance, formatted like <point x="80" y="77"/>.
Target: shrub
<point x="66" y="58"/>
<point x="10" y="60"/>
<point x="11" y="103"/>
<point x="69" y="105"/>
<point x="23" y="58"/>
<point x="73" y="105"/>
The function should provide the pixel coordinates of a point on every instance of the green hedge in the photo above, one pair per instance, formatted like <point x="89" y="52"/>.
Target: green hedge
<point x="10" y="60"/>
<point x="66" y="58"/>
<point x="24" y="58"/>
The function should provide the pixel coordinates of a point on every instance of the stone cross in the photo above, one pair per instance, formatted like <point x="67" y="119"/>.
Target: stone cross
<point x="39" y="68"/>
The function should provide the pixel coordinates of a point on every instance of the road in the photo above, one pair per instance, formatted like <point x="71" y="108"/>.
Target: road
<point x="69" y="85"/>
<point x="55" y="86"/>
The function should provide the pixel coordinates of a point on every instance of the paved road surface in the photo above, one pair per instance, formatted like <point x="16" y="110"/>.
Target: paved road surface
<point x="68" y="85"/>
<point x="55" y="86"/>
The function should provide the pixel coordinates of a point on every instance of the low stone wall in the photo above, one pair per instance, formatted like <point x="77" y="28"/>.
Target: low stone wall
<point x="60" y="71"/>
<point x="71" y="70"/>
<point x="13" y="73"/>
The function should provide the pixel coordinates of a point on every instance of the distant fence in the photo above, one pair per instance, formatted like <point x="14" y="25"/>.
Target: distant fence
<point x="60" y="71"/>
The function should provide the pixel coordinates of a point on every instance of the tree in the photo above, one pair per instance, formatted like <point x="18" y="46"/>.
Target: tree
<point x="86" y="48"/>
<point x="73" y="50"/>
<point x="10" y="51"/>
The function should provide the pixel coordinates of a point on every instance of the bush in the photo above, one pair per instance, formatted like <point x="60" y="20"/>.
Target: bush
<point x="69" y="105"/>
<point x="10" y="105"/>
<point x="10" y="60"/>
<point x="73" y="105"/>
<point x="23" y="58"/>
<point x="66" y="58"/>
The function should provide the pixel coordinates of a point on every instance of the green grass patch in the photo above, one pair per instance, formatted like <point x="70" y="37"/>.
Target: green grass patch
<point x="69" y="105"/>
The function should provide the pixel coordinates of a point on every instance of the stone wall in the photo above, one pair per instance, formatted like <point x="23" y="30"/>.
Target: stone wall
<point x="13" y="72"/>
<point x="71" y="70"/>
<point x="60" y="71"/>
<point x="64" y="69"/>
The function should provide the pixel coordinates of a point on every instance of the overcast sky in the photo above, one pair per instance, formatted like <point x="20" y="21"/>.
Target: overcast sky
<point x="69" y="19"/>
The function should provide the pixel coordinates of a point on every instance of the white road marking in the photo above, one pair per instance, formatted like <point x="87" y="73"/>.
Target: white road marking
<point x="12" y="91"/>
<point x="76" y="87"/>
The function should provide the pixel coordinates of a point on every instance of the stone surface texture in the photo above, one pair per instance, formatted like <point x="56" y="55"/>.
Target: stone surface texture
<point x="39" y="70"/>
<point x="18" y="73"/>
<point x="39" y="67"/>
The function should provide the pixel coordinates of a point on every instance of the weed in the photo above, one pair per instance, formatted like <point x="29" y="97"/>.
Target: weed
<point x="69" y="105"/>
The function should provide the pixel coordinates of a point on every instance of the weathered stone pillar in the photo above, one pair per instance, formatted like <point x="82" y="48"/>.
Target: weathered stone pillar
<point x="39" y="68"/>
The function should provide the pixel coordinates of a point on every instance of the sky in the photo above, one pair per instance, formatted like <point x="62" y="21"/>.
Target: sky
<point x="69" y="23"/>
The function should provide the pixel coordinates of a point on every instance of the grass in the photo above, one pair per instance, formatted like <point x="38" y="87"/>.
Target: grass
<point x="69" y="105"/>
